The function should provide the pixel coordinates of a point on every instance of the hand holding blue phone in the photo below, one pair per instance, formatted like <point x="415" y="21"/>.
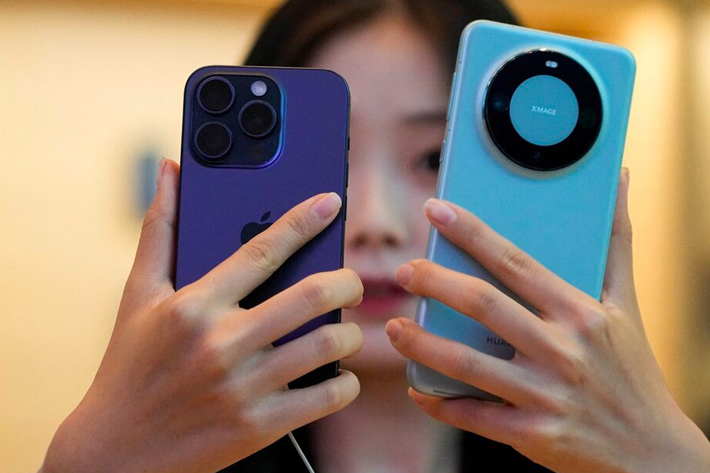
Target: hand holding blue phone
<point x="583" y="391"/>
<point x="533" y="147"/>
<point x="529" y="332"/>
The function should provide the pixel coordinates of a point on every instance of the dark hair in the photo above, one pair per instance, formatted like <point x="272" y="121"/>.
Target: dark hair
<point x="300" y="27"/>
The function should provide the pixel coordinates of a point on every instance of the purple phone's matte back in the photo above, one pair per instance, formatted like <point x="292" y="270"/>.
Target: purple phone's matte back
<point x="216" y="202"/>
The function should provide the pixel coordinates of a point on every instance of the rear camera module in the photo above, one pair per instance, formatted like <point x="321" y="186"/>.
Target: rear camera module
<point x="213" y="140"/>
<point x="257" y="119"/>
<point x="235" y="119"/>
<point x="543" y="110"/>
<point x="215" y="95"/>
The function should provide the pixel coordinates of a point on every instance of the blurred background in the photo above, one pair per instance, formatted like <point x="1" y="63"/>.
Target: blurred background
<point x="91" y="97"/>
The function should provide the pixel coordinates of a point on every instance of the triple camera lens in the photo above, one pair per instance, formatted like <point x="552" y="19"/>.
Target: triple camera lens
<point x="257" y="119"/>
<point x="231" y="114"/>
<point x="213" y="140"/>
<point x="215" y="95"/>
<point x="543" y="110"/>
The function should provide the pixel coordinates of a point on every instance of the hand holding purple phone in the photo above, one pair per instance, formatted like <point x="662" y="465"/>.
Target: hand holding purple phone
<point x="190" y="381"/>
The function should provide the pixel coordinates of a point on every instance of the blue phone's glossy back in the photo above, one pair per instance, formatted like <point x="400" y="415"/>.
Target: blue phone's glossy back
<point x="216" y="202"/>
<point x="562" y="218"/>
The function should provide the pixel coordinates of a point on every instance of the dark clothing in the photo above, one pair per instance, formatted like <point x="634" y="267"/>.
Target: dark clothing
<point x="478" y="455"/>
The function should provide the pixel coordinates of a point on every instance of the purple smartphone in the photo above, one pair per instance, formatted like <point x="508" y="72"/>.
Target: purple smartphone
<point x="256" y="142"/>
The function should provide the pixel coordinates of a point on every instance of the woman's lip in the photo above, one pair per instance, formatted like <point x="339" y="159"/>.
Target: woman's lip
<point x="382" y="297"/>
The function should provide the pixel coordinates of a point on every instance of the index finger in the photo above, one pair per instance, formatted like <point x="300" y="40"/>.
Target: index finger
<point x="517" y="270"/>
<point x="253" y="263"/>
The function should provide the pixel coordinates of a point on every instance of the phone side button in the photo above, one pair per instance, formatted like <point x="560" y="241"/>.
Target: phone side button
<point x="345" y="208"/>
<point x="451" y="97"/>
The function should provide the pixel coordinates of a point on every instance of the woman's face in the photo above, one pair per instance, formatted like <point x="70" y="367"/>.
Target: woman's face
<point x="399" y="94"/>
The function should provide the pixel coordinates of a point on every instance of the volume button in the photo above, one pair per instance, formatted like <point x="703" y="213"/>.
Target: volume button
<point x="451" y="97"/>
<point x="444" y="149"/>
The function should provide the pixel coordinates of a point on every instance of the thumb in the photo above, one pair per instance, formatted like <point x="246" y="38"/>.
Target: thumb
<point x="154" y="263"/>
<point x="619" y="276"/>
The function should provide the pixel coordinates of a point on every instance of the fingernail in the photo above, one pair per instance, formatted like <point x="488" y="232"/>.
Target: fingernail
<point x="627" y="174"/>
<point x="415" y="398"/>
<point x="440" y="212"/>
<point x="404" y="274"/>
<point x="393" y="330"/>
<point x="327" y="205"/>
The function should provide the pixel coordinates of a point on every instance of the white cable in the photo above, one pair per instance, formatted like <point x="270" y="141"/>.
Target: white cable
<point x="300" y="453"/>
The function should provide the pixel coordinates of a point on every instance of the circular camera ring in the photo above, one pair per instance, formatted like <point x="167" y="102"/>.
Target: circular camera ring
<point x="257" y="119"/>
<point x="215" y="95"/>
<point x="213" y="140"/>
<point x="569" y="74"/>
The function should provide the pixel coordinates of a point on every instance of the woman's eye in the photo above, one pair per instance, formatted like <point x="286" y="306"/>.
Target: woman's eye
<point x="431" y="160"/>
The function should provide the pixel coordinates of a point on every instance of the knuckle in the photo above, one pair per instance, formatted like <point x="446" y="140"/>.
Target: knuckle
<point x="213" y="362"/>
<point x="622" y="228"/>
<point x="515" y="262"/>
<point x="353" y="343"/>
<point x="481" y="299"/>
<point x="594" y="326"/>
<point x="573" y="366"/>
<point x="544" y="431"/>
<point x="327" y="344"/>
<point x="476" y="230"/>
<point x="315" y="292"/>
<point x="262" y="254"/>
<point x="185" y="312"/>
<point x="629" y="230"/>
<point x="245" y="418"/>
<point x="423" y="274"/>
<point x="520" y="436"/>
<point x="299" y="226"/>
<point x="332" y="396"/>
<point x="464" y="366"/>
<point x="353" y="278"/>
<point x="237" y="402"/>
<point x="155" y="217"/>
<point x="152" y="218"/>
<point x="355" y="289"/>
<point x="406" y="344"/>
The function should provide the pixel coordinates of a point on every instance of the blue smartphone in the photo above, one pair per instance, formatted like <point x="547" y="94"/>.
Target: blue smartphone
<point x="534" y="143"/>
<point x="256" y="142"/>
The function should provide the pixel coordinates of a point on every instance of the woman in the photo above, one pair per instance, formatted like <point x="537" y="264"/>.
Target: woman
<point x="189" y="382"/>
<point x="398" y="58"/>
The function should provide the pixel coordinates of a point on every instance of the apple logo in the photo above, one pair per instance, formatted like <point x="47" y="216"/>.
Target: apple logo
<point x="252" y="229"/>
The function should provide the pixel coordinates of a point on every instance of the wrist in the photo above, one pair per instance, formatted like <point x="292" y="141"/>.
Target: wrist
<point x="687" y="452"/>
<point x="63" y="454"/>
<point x="76" y="446"/>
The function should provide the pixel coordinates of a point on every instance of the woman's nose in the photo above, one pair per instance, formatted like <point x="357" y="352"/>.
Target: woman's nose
<point x="376" y="208"/>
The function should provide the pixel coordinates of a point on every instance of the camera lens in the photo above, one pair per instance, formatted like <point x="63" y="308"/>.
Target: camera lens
<point x="215" y="95"/>
<point x="543" y="110"/>
<point x="548" y="125"/>
<point x="501" y="102"/>
<point x="213" y="140"/>
<point x="257" y="119"/>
